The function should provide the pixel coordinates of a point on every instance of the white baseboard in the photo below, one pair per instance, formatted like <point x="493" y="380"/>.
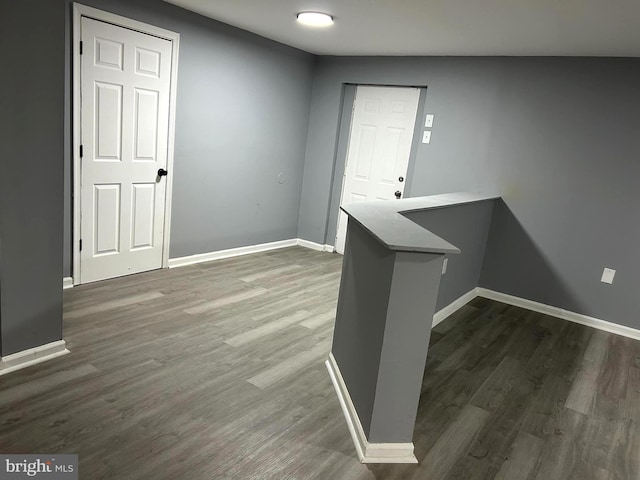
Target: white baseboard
<point x="235" y="252"/>
<point x="545" y="309"/>
<point x="454" y="306"/>
<point x="32" y="356"/>
<point x="403" y="452"/>
<point x="367" y="452"/>
<point x="231" y="252"/>
<point x="315" y="246"/>
<point x="67" y="282"/>
<point x="560" y="313"/>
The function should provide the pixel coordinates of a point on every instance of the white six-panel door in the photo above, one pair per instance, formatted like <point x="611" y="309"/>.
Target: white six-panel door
<point x="125" y="79"/>
<point x="379" y="147"/>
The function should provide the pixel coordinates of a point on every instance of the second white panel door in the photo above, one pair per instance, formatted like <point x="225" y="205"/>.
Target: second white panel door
<point x="125" y="85"/>
<point x="382" y="127"/>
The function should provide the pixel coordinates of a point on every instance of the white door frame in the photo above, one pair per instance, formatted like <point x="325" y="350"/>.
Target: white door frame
<point x="80" y="11"/>
<point x="346" y="157"/>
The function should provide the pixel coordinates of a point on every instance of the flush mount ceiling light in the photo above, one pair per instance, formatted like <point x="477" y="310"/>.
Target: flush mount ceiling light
<point x="315" y="19"/>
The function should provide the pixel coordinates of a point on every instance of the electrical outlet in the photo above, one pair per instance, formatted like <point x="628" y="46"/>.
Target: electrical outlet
<point x="607" y="275"/>
<point x="426" y="137"/>
<point x="428" y="123"/>
<point x="444" y="265"/>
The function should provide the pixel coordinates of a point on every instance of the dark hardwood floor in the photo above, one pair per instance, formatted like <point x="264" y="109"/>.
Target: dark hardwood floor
<point x="215" y="371"/>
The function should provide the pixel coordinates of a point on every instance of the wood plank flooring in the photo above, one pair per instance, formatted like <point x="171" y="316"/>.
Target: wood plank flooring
<point x="215" y="371"/>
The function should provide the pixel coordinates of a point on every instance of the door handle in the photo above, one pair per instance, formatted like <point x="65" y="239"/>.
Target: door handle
<point x="162" y="172"/>
<point x="398" y="194"/>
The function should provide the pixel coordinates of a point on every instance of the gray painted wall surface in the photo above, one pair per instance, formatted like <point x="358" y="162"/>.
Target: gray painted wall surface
<point x="412" y="303"/>
<point x="344" y="129"/>
<point x="382" y="329"/>
<point x="31" y="178"/>
<point x="555" y="137"/>
<point x="242" y="111"/>
<point x="361" y="317"/>
<point x="467" y="227"/>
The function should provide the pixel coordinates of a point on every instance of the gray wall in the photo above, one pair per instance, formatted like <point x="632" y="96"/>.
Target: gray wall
<point x="556" y="137"/>
<point x="243" y="106"/>
<point x="31" y="178"/>
<point x="383" y="324"/>
<point x="412" y="303"/>
<point x="342" y="146"/>
<point x="361" y="315"/>
<point x="466" y="227"/>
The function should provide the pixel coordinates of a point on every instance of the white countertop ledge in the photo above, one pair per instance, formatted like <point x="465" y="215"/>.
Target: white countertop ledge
<point x="385" y="220"/>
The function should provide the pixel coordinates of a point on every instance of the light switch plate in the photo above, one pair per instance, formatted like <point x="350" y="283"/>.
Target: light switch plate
<point x="444" y="265"/>
<point x="429" y="121"/>
<point x="426" y="137"/>
<point x="607" y="275"/>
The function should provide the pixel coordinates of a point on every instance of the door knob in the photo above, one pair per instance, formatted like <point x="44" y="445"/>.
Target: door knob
<point x="398" y="194"/>
<point x="162" y="172"/>
<point x="401" y="179"/>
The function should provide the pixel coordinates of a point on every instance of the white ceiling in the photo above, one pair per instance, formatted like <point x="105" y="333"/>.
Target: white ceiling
<point x="441" y="27"/>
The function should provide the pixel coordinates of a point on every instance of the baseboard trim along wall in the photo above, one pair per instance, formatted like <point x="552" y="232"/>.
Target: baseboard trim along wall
<point x="586" y="320"/>
<point x="560" y="313"/>
<point x="454" y="306"/>
<point x="231" y="252"/>
<point x="235" y="252"/>
<point x="67" y="282"/>
<point x="315" y="246"/>
<point x="32" y="356"/>
<point x="367" y="452"/>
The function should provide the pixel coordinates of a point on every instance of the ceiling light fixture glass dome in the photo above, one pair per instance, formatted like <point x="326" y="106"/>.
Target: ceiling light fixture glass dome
<point x="315" y="19"/>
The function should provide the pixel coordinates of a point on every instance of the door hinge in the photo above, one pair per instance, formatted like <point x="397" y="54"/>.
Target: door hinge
<point x="80" y="244"/>
<point x="81" y="151"/>
<point x="80" y="47"/>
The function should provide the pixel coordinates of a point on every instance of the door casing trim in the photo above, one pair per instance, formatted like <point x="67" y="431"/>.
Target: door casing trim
<point x="80" y="11"/>
<point x="346" y="157"/>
